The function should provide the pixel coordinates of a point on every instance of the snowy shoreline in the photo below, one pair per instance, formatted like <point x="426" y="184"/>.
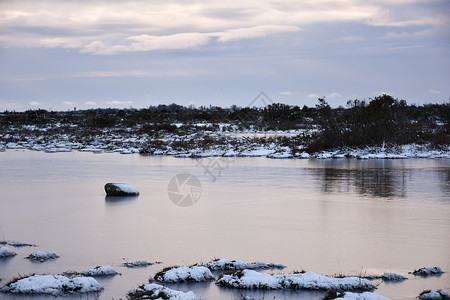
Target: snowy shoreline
<point x="395" y="152"/>
<point x="197" y="141"/>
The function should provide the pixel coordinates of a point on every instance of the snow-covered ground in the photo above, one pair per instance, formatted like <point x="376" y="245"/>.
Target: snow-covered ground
<point x="249" y="279"/>
<point x="182" y="274"/>
<point x="55" y="285"/>
<point x="226" y="264"/>
<point x="159" y="292"/>
<point x="193" y="143"/>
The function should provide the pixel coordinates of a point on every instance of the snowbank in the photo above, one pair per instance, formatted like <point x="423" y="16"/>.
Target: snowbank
<point x="53" y="285"/>
<point x="158" y="292"/>
<point x="120" y="189"/>
<point x="42" y="256"/>
<point x="101" y="271"/>
<point x="361" y="296"/>
<point x="248" y="279"/>
<point x="434" y="295"/>
<point x="226" y="264"/>
<point x="181" y="274"/>
<point x="428" y="271"/>
<point x="6" y="252"/>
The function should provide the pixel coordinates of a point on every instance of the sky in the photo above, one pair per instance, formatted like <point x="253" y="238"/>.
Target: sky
<point x="58" y="55"/>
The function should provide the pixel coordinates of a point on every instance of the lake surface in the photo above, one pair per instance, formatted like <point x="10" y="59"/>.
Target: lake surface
<point x="341" y="216"/>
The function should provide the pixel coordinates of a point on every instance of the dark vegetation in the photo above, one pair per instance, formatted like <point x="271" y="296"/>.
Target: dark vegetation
<point x="380" y="121"/>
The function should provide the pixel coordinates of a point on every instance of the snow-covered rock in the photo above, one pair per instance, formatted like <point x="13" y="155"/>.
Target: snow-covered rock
<point x="387" y="277"/>
<point x="137" y="264"/>
<point x="434" y="295"/>
<point x="52" y="284"/>
<point x="6" y="252"/>
<point x="120" y="189"/>
<point x="159" y="292"/>
<point x="248" y="279"/>
<point x="181" y="274"/>
<point x="393" y="277"/>
<point x="361" y="296"/>
<point x="428" y="271"/>
<point x="101" y="271"/>
<point x="226" y="264"/>
<point x="42" y="256"/>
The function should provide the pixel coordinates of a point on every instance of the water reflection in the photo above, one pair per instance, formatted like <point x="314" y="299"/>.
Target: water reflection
<point x="444" y="177"/>
<point x="379" y="181"/>
<point x="115" y="200"/>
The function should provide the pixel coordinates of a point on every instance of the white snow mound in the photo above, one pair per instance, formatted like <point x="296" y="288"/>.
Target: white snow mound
<point x="6" y="252"/>
<point x="152" y="290"/>
<point x="101" y="271"/>
<point x="249" y="279"/>
<point x="53" y="285"/>
<point x="181" y="274"/>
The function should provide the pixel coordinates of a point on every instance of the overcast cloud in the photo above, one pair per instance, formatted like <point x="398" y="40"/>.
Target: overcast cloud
<point x="65" y="54"/>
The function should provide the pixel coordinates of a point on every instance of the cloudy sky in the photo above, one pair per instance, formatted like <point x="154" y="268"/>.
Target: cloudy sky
<point x="63" y="54"/>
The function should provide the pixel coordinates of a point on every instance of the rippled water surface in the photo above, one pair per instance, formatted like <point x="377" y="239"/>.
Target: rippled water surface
<point x="328" y="216"/>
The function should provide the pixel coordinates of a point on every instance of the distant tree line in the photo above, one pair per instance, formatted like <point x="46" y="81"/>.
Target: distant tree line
<point x="378" y="121"/>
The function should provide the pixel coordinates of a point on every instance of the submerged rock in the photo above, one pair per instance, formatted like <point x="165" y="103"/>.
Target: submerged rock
<point x="120" y="189"/>
<point x="6" y="252"/>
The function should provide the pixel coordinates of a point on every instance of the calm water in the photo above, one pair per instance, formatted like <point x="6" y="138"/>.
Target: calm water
<point x="328" y="216"/>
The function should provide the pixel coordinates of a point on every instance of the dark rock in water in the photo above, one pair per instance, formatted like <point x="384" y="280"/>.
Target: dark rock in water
<point x="120" y="189"/>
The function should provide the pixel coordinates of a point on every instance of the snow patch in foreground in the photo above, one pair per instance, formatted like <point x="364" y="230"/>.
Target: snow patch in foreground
<point x="182" y="274"/>
<point x="249" y="279"/>
<point x="226" y="264"/>
<point x="55" y="285"/>
<point x="42" y="256"/>
<point x="434" y="295"/>
<point x="361" y="296"/>
<point x="158" y="292"/>
<point x="6" y="252"/>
